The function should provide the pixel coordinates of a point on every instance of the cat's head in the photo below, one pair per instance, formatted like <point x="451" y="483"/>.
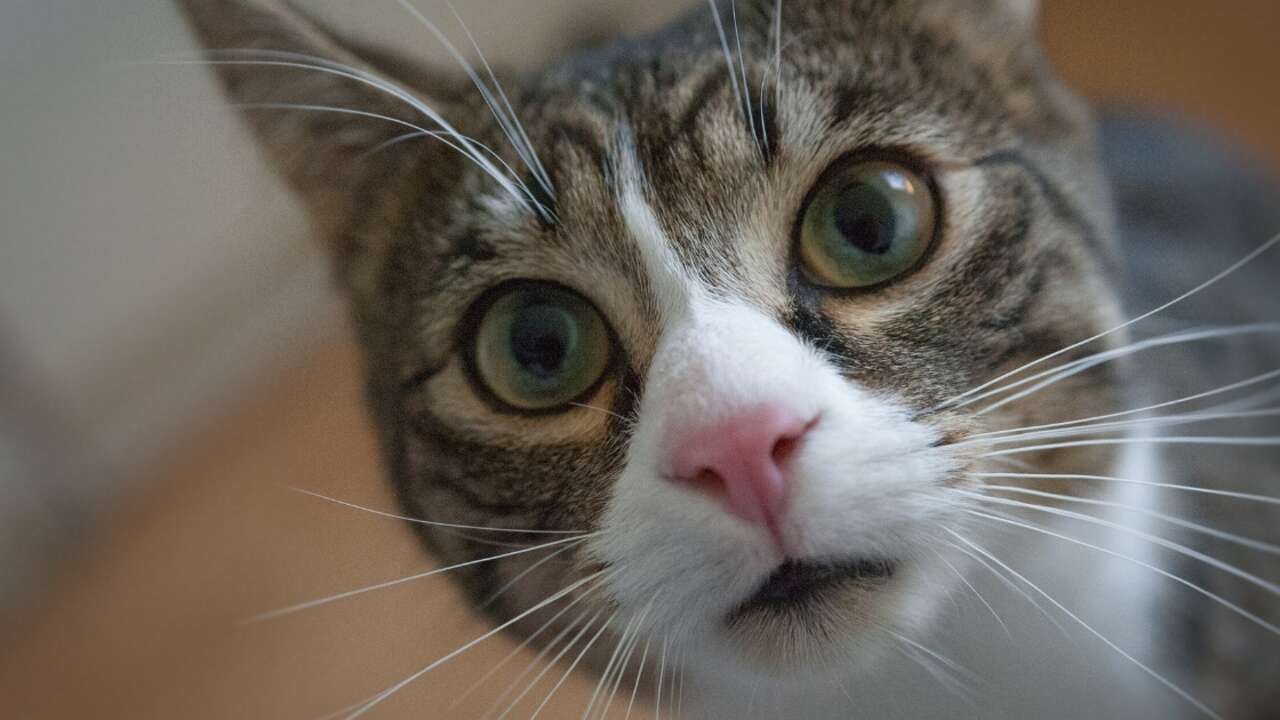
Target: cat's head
<point x="708" y="300"/>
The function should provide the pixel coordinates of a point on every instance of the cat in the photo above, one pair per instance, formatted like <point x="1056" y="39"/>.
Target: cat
<point x="761" y="339"/>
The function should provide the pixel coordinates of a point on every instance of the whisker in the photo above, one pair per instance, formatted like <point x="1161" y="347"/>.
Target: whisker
<point x="525" y="643"/>
<point x="622" y="672"/>
<point x="728" y="60"/>
<point x="419" y="521"/>
<point x="956" y="667"/>
<point x="537" y="167"/>
<point x="662" y="670"/>
<point x="393" y="689"/>
<point x="299" y="61"/>
<point x="399" y="581"/>
<point x="635" y="689"/>
<point x="573" y="665"/>
<point x="1154" y="539"/>
<point x="604" y="411"/>
<point x="683" y="666"/>
<point x="1187" y="440"/>
<point x="606" y="675"/>
<point x="1274" y="629"/>
<point x="742" y="64"/>
<point x="552" y="663"/>
<point x="936" y="664"/>
<point x="1076" y="367"/>
<point x="442" y="137"/>
<point x="975" y="592"/>
<point x="1263" y="547"/>
<point x="1011" y="585"/>
<point x="1148" y="483"/>
<point x="509" y="123"/>
<point x="1255" y="380"/>
<point x="777" y="55"/>
<point x="522" y="574"/>
<point x="547" y="649"/>
<point x="1157" y="676"/>
<point x="1127" y="324"/>
<point x="1116" y="426"/>
<point x="398" y="140"/>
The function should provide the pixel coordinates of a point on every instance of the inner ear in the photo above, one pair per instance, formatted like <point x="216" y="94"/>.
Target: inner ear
<point x="338" y="118"/>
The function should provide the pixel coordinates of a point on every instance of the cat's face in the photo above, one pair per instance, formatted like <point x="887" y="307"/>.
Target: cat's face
<point x="722" y="338"/>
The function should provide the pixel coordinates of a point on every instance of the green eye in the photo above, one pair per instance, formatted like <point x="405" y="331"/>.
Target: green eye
<point x="867" y="225"/>
<point x="539" y="346"/>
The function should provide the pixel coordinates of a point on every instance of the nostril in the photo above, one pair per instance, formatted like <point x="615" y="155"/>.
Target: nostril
<point x="741" y="461"/>
<point x="707" y="480"/>
<point x="789" y="440"/>
<point x="784" y="448"/>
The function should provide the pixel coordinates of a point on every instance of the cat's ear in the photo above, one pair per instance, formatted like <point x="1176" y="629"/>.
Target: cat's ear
<point x="312" y="99"/>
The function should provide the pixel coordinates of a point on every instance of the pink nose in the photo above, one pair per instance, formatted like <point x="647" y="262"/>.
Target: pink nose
<point x="739" y="461"/>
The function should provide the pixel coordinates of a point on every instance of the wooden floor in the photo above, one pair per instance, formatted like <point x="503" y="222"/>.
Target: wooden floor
<point x="147" y="622"/>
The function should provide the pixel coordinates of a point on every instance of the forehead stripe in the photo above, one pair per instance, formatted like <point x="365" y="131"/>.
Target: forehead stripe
<point x="671" y="284"/>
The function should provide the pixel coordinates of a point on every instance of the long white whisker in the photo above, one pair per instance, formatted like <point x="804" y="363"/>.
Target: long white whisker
<point x="552" y="663"/>
<point x="603" y="411"/>
<point x="523" y="574"/>
<point x="400" y="581"/>
<point x="680" y="695"/>
<point x="1148" y="483"/>
<point x="522" y="646"/>
<point x="1117" y="426"/>
<point x="512" y="185"/>
<point x="936" y="669"/>
<point x="1154" y="539"/>
<point x="742" y="64"/>
<point x="1009" y="584"/>
<point x="728" y="58"/>
<point x="437" y="663"/>
<point x="546" y="650"/>
<point x="1157" y="676"/>
<point x="1127" y="324"/>
<point x="1255" y="380"/>
<point x="944" y="660"/>
<point x="777" y="55"/>
<point x="635" y="689"/>
<point x="573" y="665"/>
<point x="537" y="167"/>
<point x="1071" y="369"/>
<point x="1263" y="547"/>
<point x="1188" y="440"/>
<point x="635" y="642"/>
<point x="606" y="675"/>
<point x="1274" y="629"/>
<point x="975" y="592"/>
<point x="508" y="123"/>
<point x="443" y="137"/>
<point x="398" y="140"/>
<point x="662" y="670"/>
<point x="419" y="521"/>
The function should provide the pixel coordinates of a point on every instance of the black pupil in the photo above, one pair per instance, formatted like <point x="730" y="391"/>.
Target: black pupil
<point x="865" y="216"/>
<point x="540" y="338"/>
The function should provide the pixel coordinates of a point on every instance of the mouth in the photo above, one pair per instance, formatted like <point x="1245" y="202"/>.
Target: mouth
<point x="797" y="584"/>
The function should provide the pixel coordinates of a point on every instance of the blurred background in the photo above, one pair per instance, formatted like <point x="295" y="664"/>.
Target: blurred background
<point x="173" y="358"/>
